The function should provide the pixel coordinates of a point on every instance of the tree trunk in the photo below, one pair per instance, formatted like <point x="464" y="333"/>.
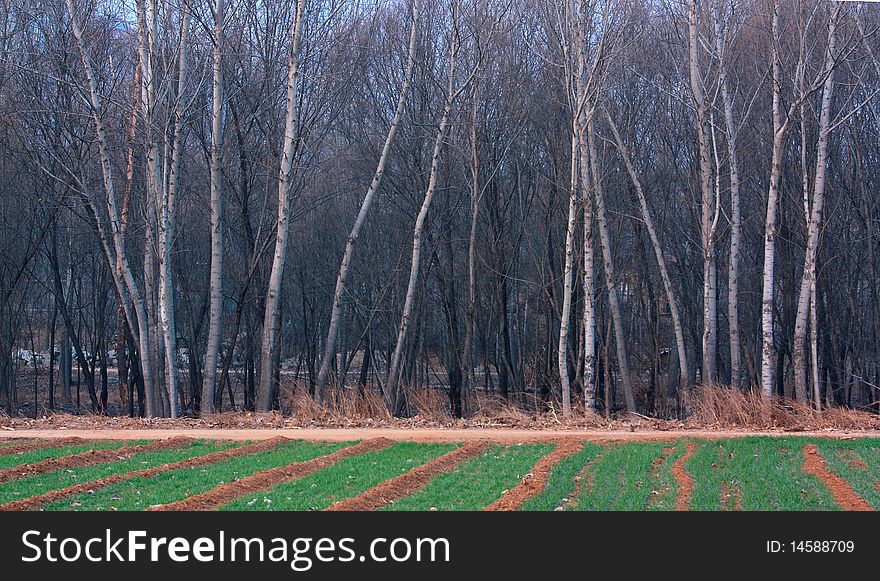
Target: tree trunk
<point x="814" y="218"/>
<point x="271" y="320"/>
<point x="335" y="315"/>
<point x="215" y="326"/>
<point x="613" y="303"/>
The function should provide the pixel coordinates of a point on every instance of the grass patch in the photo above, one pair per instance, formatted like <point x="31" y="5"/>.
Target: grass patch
<point x="561" y="483"/>
<point x="864" y="478"/>
<point x="25" y="487"/>
<point x="623" y="479"/>
<point x="477" y="483"/>
<point x="34" y="456"/>
<point x="767" y="471"/>
<point x="345" y="479"/>
<point x="141" y="493"/>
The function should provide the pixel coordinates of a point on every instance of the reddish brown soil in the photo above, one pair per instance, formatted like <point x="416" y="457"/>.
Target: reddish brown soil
<point x="30" y="445"/>
<point x="535" y="481"/>
<point x="406" y="484"/>
<point x="655" y="469"/>
<point x="583" y="481"/>
<point x="266" y="479"/>
<point x="685" y="480"/>
<point x="851" y="457"/>
<point x="840" y="489"/>
<point x="89" y="458"/>
<point x="727" y="493"/>
<point x="35" y="502"/>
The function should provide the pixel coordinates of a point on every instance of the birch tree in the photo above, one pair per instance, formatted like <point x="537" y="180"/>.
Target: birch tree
<point x="341" y="279"/>
<point x="212" y="352"/>
<point x="658" y="253"/>
<point x="813" y="207"/>
<point x="392" y="385"/>
<point x="272" y="318"/>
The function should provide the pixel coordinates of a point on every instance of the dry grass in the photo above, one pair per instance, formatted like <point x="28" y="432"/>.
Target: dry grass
<point x="709" y="408"/>
<point x="723" y="407"/>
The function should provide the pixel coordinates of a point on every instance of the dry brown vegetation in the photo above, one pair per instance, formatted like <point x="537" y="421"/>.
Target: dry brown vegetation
<point x="709" y="408"/>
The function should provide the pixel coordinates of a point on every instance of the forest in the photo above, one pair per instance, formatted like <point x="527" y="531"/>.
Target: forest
<point x="590" y="206"/>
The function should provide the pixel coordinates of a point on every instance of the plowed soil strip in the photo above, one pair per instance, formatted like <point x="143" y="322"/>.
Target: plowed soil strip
<point x="89" y="458"/>
<point x="851" y="457"/>
<point x="535" y="481"/>
<point x="39" y="445"/>
<point x="583" y="483"/>
<point x="409" y="483"/>
<point x="845" y="497"/>
<point x="35" y="502"/>
<point x="654" y="473"/>
<point x="268" y="478"/>
<point x="731" y="492"/>
<point x="685" y="480"/>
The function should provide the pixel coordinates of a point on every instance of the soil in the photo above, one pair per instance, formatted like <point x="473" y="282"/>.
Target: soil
<point x="536" y="480"/>
<point x="851" y="457"/>
<point x="583" y="482"/>
<point x="88" y="458"/>
<point x="29" y="445"/>
<point x="655" y="469"/>
<point x="39" y="500"/>
<point x="406" y="484"/>
<point x="452" y="435"/>
<point x="685" y="480"/>
<point x="728" y="492"/>
<point x="843" y="494"/>
<point x="266" y="479"/>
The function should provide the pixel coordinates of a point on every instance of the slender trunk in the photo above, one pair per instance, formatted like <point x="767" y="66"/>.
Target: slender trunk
<point x="658" y="253"/>
<point x="266" y="387"/>
<point x="613" y="302"/>
<point x="562" y="351"/>
<point x="813" y="214"/>
<point x="335" y="315"/>
<point x="121" y="266"/>
<point x="707" y="233"/>
<point x="392" y="396"/>
<point x="779" y="127"/>
<point x="212" y="351"/>
<point x="735" y="213"/>
<point x="467" y="347"/>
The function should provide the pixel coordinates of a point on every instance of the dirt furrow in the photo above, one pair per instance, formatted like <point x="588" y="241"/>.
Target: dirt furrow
<point x="39" y="500"/>
<point x="684" y="479"/>
<point x="654" y="472"/>
<point x="851" y="457"/>
<point x="266" y="479"/>
<point x="406" y="484"/>
<point x="88" y="458"/>
<point x="583" y="482"/>
<point x="39" y="445"/>
<point x="535" y="481"/>
<point x="843" y="494"/>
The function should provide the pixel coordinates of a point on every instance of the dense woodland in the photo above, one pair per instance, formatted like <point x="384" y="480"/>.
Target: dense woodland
<point x="595" y="204"/>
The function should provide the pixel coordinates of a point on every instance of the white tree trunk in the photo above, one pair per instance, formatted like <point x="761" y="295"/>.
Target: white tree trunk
<point x="392" y="385"/>
<point x="266" y="386"/>
<point x="779" y="127"/>
<point x="671" y="296"/>
<point x="735" y="211"/>
<point x="121" y="262"/>
<point x="813" y="215"/>
<point x="215" y="325"/>
<point x="613" y="302"/>
<point x="565" y="316"/>
<point x="335" y="315"/>
<point x="710" y="305"/>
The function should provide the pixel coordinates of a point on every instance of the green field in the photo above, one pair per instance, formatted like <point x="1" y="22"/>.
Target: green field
<point x="752" y="473"/>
